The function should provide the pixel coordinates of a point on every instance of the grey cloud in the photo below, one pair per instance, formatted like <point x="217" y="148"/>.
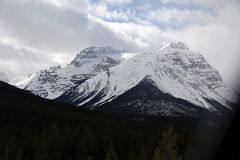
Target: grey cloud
<point x="49" y="30"/>
<point x="9" y="53"/>
<point x="42" y="26"/>
<point x="17" y="62"/>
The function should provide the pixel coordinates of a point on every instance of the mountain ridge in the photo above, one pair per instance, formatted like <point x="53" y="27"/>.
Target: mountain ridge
<point x="99" y="75"/>
<point x="175" y="69"/>
<point x="52" y="82"/>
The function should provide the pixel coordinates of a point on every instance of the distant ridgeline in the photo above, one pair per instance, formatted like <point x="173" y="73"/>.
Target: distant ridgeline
<point x="171" y="82"/>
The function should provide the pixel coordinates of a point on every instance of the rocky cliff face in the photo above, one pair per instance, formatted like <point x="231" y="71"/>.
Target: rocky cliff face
<point x="53" y="82"/>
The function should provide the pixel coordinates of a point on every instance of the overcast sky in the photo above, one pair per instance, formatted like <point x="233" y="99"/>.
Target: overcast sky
<point x="36" y="34"/>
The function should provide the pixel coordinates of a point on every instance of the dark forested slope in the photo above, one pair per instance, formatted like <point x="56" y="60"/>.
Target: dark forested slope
<point x="36" y="128"/>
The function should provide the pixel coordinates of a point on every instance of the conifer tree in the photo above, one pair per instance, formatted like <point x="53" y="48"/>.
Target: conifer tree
<point x="143" y="155"/>
<point x="81" y="150"/>
<point x="158" y="155"/>
<point x="167" y="149"/>
<point x="19" y="155"/>
<point x="110" y="154"/>
<point x="54" y="142"/>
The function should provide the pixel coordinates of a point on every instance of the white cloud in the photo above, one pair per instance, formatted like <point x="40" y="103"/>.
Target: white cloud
<point x="142" y="36"/>
<point x="213" y="5"/>
<point x="208" y="3"/>
<point x="117" y="1"/>
<point x="178" y="17"/>
<point x="101" y="10"/>
<point x="75" y="5"/>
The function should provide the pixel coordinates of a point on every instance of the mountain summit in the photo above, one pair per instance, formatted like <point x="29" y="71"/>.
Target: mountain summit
<point x="97" y="59"/>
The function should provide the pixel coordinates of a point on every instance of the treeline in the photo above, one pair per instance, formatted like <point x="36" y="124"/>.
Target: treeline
<point x="32" y="128"/>
<point x="24" y="136"/>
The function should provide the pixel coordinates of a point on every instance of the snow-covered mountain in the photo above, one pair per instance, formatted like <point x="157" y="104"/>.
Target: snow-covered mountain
<point x="3" y="77"/>
<point x="55" y="81"/>
<point x="171" y="81"/>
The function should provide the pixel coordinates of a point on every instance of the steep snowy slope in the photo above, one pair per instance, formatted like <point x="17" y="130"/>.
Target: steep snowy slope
<point x="22" y="81"/>
<point x="53" y="82"/>
<point x="174" y="70"/>
<point x="3" y="77"/>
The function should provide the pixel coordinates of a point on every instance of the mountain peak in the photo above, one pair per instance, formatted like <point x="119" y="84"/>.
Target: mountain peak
<point x="175" y="45"/>
<point x="94" y="53"/>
